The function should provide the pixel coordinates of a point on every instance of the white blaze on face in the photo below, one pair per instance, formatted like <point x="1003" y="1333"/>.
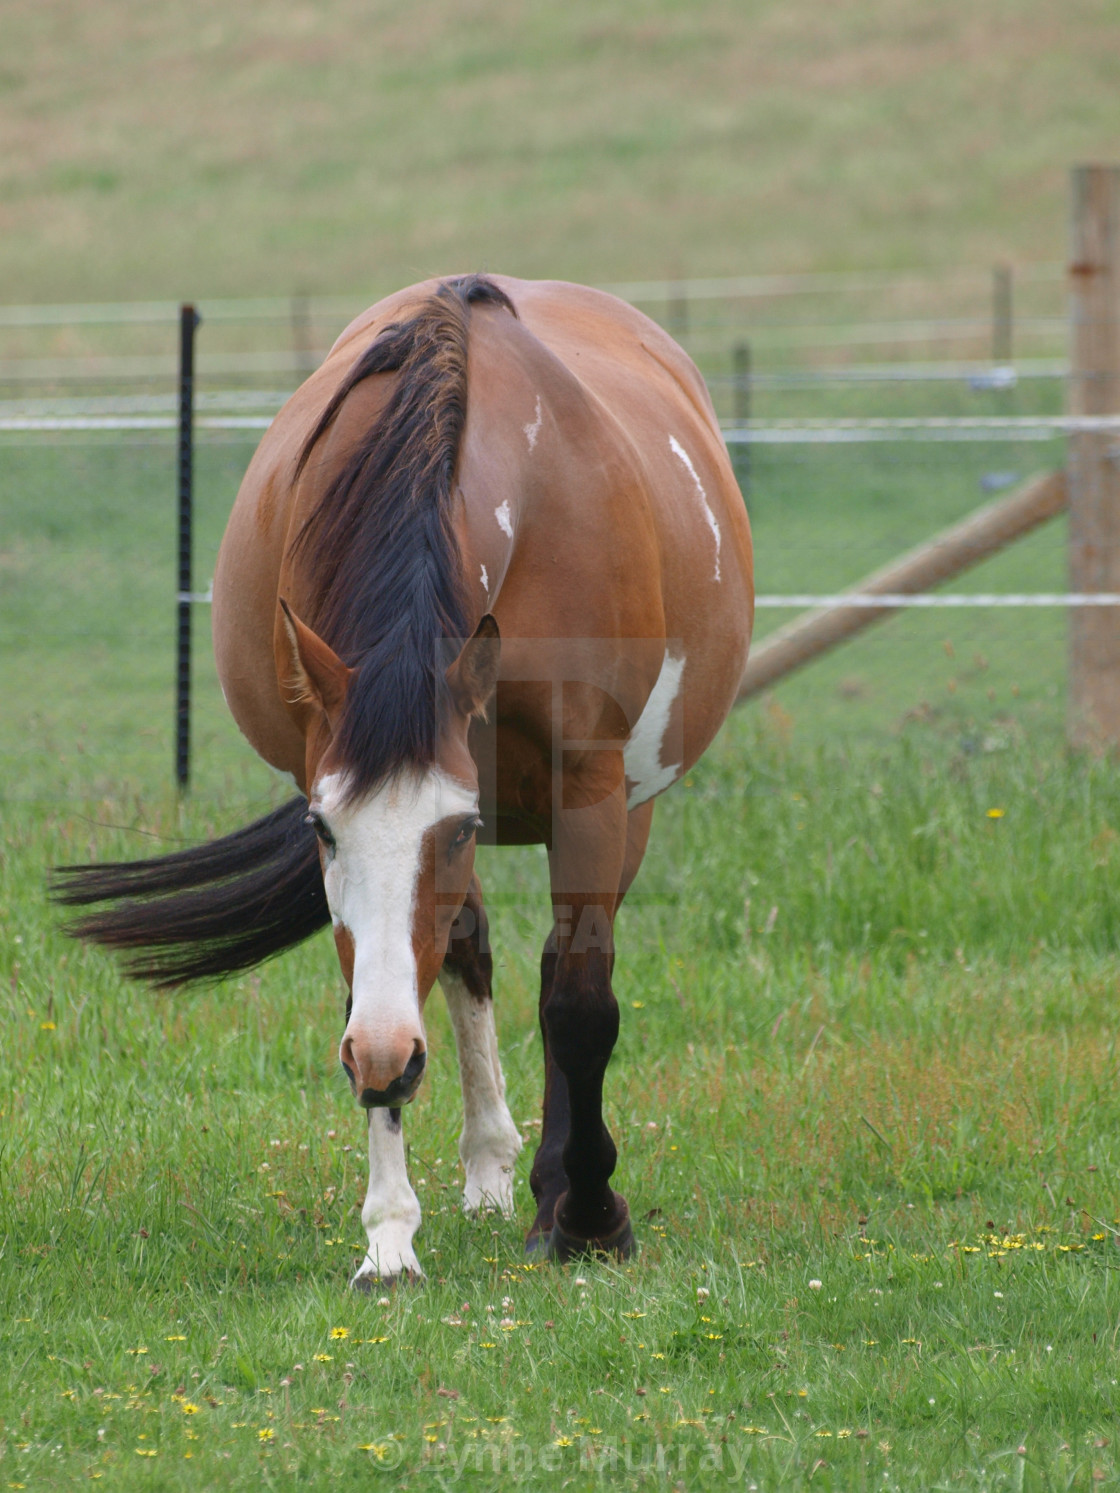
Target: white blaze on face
<point x="679" y="451"/>
<point x="371" y="879"/>
<point x="643" y="753"/>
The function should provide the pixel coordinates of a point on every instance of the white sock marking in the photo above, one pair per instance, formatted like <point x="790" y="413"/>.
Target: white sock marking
<point x="641" y="755"/>
<point x="490" y="1142"/>
<point x="391" y="1211"/>
<point x="678" y="450"/>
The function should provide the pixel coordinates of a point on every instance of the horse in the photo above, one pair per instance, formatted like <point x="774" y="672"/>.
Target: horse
<point x="488" y="578"/>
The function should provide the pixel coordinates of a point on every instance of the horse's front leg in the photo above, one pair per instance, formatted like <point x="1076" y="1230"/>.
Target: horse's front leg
<point x="490" y="1141"/>
<point x="548" y="1179"/>
<point x="580" y="1018"/>
<point x="391" y="1212"/>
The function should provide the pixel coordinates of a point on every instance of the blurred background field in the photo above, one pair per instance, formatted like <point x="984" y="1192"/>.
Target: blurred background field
<point x="350" y="147"/>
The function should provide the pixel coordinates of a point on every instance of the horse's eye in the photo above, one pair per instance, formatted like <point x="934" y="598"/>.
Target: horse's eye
<point x="466" y="833"/>
<point x="319" y="825"/>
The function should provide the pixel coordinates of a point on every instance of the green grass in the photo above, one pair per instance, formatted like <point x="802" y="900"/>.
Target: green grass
<point x="173" y="151"/>
<point x="868" y="1040"/>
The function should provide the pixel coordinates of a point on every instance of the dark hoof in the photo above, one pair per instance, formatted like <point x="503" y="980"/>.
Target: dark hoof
<point x="536" y="1241"/>
<point x="619" y="1244"/>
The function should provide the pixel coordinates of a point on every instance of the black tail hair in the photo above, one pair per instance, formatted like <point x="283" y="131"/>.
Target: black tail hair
<point x="210" y="911"/>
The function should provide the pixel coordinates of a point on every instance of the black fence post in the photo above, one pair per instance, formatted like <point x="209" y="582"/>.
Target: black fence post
<point x="188" y="321"/>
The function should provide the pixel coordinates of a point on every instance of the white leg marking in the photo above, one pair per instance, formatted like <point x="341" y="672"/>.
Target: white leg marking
<point x="678" y="450"/>
<point x="534" y="429"/>
<point x="391" y="1211"/>
<point x="490" y="1142"/>
<point x="505" y="523"/>
<point x="641" y="755"/>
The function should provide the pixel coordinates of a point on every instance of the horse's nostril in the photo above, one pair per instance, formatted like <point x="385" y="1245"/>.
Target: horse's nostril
<point x="414" y="1068"/>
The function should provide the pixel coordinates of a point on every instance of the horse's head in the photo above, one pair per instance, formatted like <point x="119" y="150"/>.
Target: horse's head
<point x="397" y="861"/>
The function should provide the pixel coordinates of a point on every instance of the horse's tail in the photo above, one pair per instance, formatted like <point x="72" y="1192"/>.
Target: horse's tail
<point x="206" y="912"/>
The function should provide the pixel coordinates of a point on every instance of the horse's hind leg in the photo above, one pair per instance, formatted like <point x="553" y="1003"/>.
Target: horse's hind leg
<point x="490" y="1142"/>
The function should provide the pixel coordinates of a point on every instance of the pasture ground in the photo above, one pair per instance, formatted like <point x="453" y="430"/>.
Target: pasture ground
<point x="869" y="1011"/>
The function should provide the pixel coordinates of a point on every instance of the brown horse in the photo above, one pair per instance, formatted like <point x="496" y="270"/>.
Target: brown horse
<point x="535" y="471"/>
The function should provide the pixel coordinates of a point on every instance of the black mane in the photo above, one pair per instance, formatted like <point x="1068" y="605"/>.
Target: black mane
<point x="380" y="542"/>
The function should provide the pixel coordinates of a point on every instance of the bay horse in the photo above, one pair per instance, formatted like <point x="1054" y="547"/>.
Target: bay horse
<point x="488" y="575"/>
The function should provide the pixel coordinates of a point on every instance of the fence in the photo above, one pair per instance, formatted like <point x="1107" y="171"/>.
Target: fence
<point x="129" y="392"/>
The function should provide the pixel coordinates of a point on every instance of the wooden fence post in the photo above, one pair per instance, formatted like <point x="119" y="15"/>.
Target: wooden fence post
<point x="1094" y="456"/>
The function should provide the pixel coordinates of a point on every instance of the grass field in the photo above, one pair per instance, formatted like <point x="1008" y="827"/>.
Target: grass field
<point x="277" y="147"/>
<point x="868" y="983"/>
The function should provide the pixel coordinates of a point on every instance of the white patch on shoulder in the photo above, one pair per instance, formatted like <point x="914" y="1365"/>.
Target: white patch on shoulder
<point x="504" y="521"/>
<point x="678" y="450"/>
<point x="642" y="754"/>
<point x="534" y="429"/>
<point x="485" y="579"/>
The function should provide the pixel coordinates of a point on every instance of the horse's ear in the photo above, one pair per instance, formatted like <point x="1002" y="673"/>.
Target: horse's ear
<point x="473" y="677"/>
<point x="310" y="671"/>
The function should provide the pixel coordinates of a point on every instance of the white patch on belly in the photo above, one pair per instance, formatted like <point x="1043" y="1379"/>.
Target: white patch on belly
<point x="642" y="754"/>
<point x="678" y="450"/>
<point x="534" y="430"/>
<point x="485" y="579"/>
<point x="504" y="521"/>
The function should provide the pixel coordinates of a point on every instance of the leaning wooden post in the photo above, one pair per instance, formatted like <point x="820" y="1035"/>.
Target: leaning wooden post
<point x="1094" y="455"/>
<point x="977" y="537"/>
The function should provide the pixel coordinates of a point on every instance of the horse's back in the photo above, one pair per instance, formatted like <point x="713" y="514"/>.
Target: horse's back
<point x="639" y="527"/>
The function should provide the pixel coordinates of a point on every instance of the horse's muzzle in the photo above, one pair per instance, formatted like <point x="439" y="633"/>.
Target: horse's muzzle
<point x="401" y="1091"/>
